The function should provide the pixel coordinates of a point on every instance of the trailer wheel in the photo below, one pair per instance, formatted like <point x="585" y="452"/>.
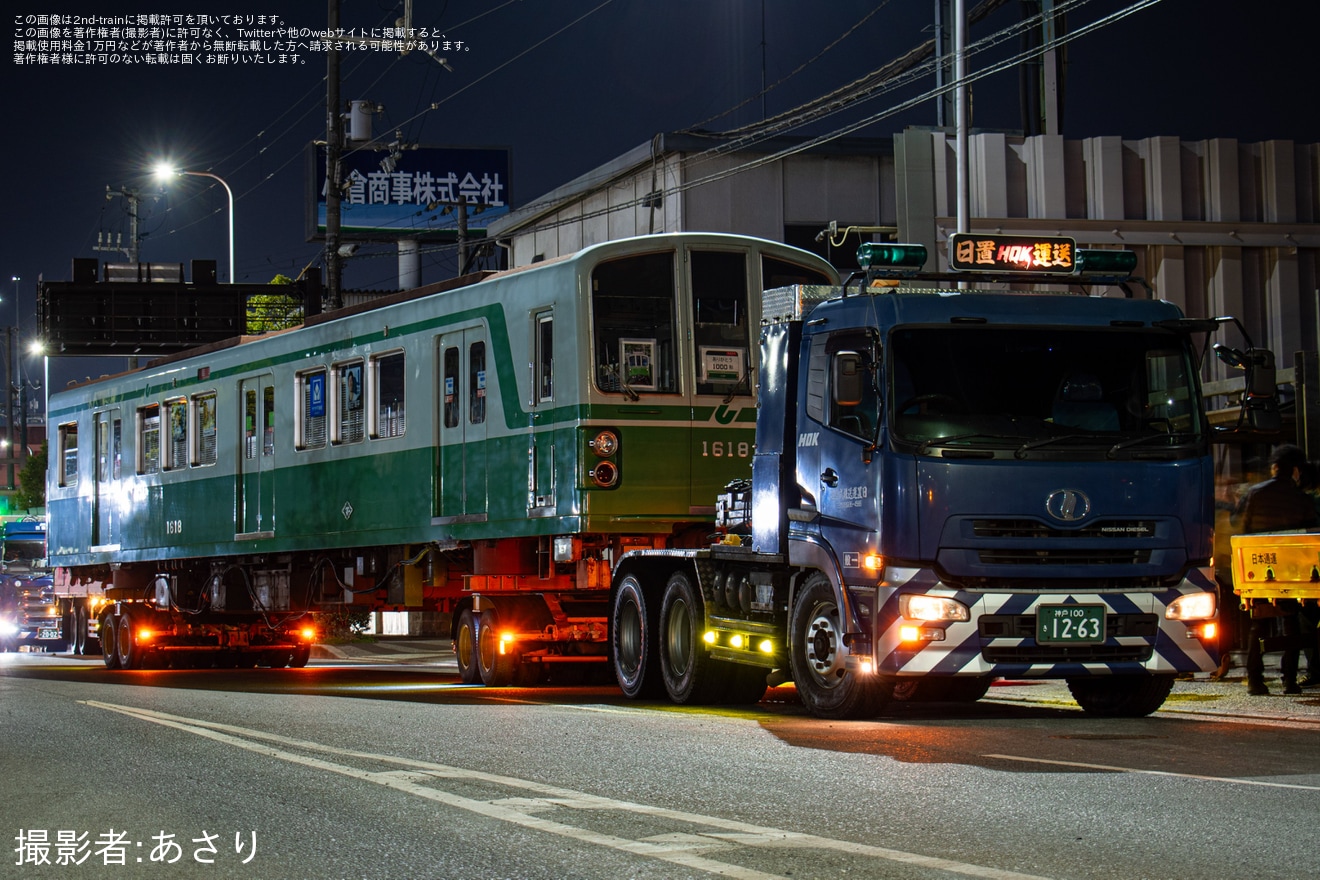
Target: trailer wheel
<point x="130" y="655"/>
<point x="465" y="648"/>
<point x="685" y="665"/>
<point x="826" y="687"/>
<point x="496" y="669"/>
<point x="1121" y="696"/>
<point x="109" y="650"/>
<point x="78" y="628"/>
<point x="633" y="641"/>
<point x="300" y="655"/>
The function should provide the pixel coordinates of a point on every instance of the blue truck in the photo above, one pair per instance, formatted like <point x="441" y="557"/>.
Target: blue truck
<point x="952" y="486"/>
<point x="29" y="615"/>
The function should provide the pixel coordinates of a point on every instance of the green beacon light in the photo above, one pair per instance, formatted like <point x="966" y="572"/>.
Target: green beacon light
<point x="1106" y="262"/>
<point x="874" y="255"/>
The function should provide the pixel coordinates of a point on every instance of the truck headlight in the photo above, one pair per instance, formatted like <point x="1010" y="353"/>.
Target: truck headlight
<point x="8" y="627"/>
<point x="1193" y="606"/>
<point x="920" y="607"/>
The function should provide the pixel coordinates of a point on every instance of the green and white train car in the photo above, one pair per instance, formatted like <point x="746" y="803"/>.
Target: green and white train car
<point x="487" y="450"/>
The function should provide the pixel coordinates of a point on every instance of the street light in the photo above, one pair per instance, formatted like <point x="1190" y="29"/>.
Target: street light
<point x="165" y="172"/>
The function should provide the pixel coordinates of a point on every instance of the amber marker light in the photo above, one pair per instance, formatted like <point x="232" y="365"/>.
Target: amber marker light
<point x="307" y="634"/>
<point x="506" y="639"/>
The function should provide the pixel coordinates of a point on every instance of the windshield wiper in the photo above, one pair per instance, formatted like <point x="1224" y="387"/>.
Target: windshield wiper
<point x="1046" y="441"/>
<point x="925" y="445"/>
<point x="1183" y="437"/>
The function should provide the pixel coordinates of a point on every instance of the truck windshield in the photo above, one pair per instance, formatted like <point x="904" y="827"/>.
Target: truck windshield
<point x="1042" y="388"/>
<point x="24" y="552"/>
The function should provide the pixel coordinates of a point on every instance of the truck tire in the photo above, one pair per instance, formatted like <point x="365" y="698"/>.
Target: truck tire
<point x="109" y="651"/>
<point x="496" y="669"/>
<point x="633" y="640"/>
<point x="826" y="688"/>
<point x="1121" y="696"/>
<point x="465" y="648"/>
<point x="685" y="665"/>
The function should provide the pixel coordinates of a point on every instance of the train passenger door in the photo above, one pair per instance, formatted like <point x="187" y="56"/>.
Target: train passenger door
<point x="255" y="486"/>
<point x="463" y="409"/>
<point x="109" y="457"/>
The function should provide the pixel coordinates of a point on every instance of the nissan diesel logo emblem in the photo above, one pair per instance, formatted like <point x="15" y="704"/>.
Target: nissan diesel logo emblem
<point x="1068" y="505"/>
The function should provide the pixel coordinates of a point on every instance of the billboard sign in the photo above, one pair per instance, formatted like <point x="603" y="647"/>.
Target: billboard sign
<point x="387" y="194"/>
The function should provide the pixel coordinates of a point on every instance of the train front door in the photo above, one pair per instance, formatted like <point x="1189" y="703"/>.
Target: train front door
<point x="255" y="507"/>
<point x="463" y="408"/>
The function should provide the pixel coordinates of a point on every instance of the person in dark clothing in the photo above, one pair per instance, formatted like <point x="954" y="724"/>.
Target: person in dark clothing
<point x="1277" y="505"/>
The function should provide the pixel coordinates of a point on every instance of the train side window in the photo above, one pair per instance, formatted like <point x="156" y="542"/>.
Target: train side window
<point x="204" y="431"/>
<point x="387" y="392"/>
<point x="68" y="440"/>
<point x="311" y="409"/>
<point x="148" y="446"/>
<point x="477" y="383"/>
<point x="449" y="405"/>
<point x="268" y="432"/>
<point x="250" y="435"/>
<point x="116" y="449"/>
<point x="545" y="357"/>
<point x="176" y="452"/>
<point x="349" y="403"/>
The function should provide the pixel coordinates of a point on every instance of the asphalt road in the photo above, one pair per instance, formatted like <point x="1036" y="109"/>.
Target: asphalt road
<point x="349" y="769"/>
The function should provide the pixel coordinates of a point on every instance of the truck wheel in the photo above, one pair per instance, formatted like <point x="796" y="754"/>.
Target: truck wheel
<point x="1121" y="696"/>
<point x="496" y="669"/>
<point x="827" y="689"/>
<point x="633" y="641"/>
<point x="109" y="651"/>
<point x="465" y="648"/>
<point x="685" y="665"/>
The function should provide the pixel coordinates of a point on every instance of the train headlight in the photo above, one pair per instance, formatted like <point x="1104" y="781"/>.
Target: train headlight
<point x="605" y="444"/>
<point x="1193" y="606"/>
<point x="921" y="607"/>
<point x="605" y="475"/>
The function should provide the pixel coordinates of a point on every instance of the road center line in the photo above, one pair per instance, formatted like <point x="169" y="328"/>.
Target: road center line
<point x="1083" y="766"/>
<point x="724" y="832"/>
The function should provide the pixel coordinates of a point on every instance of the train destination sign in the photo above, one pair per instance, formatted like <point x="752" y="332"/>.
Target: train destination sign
<point x="986" y="252"/>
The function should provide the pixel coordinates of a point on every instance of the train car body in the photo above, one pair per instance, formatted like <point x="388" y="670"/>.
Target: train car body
<point x="485" y="451"/>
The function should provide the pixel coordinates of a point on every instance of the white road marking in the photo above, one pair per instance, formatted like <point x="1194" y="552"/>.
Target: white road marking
<point x="681" y="850"/>
<point x="1229" y="779"/>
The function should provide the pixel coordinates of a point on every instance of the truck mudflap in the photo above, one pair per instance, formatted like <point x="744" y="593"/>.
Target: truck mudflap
<point x="1064" y="634"/>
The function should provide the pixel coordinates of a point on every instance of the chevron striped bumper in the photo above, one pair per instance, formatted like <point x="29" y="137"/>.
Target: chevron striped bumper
<point x="1003" y="637"/>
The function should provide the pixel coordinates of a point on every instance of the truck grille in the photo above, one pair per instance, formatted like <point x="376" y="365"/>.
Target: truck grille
<point x="1029" y="528"/>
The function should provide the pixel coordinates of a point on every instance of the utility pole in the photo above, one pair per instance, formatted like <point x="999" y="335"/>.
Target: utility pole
<point x="333" y="147"/>
<point x="133" y="198"/>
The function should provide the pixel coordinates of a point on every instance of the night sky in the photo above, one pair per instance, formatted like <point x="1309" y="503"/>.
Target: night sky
<point x="565" y="85"/>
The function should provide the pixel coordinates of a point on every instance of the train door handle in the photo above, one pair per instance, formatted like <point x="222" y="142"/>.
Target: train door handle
<point x="830" y="478"/>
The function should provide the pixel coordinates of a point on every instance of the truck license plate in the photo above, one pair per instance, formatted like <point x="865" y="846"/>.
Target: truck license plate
<point x="1070" y="624"/>
<point x="48" y="632"/>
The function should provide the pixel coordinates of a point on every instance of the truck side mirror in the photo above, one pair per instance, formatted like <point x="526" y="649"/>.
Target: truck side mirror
<point x="1260" y="403"/>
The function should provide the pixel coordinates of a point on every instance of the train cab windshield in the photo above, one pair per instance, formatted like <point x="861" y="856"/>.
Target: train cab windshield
<point x="637" y="320"/>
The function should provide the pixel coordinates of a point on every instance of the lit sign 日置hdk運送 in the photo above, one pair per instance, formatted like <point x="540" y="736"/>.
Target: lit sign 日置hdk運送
<point x="984" y="252"/>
